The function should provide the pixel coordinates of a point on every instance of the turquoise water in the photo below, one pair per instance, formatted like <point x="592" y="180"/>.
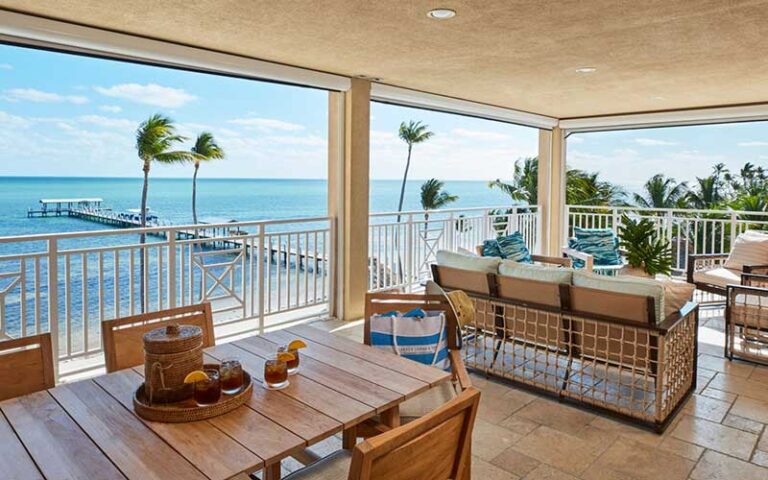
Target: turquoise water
<point x="219" y="199"/>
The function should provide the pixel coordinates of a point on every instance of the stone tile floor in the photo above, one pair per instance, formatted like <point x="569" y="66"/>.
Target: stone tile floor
<point x="720" y="435"/>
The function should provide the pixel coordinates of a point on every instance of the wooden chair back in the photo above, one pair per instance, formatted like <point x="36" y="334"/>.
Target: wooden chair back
<point x="433" y="447"/>
<point x="123" y="337"/>
<point x="26" y="365"/>
<point x="404" y="302"/>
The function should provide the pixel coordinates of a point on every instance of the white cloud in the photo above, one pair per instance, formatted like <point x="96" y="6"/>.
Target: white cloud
<point x="108" y="122"/>
<point x="753" y="144"/>
<point x="310" y="141"/>
<point x="39" y="96"/>
<point x="6" y="66"/>
<point x="653" y="142"/>
<point x="110" y="108"/>
<point x="149" y="94"/>
<point x="267" y="124"/>
<point x="479" y="134"/>
<point x="12" y="121"/>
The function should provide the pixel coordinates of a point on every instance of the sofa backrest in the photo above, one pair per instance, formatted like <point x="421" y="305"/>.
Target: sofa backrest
<point x="625" y="306"/>
<point x="529" y="291"/>
<point x="458" y="279"/>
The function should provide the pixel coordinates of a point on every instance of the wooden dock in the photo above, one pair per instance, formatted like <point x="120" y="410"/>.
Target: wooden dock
<point x="224" y="238"/>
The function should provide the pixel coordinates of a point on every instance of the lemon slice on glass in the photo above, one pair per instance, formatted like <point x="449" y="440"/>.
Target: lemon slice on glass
<point x="196" y="376"/>
<point x="285" y="356"/>
<point x="296" y="345"/>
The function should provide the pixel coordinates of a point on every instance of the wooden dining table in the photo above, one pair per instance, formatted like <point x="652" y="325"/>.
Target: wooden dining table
<point x="88" y="429"/>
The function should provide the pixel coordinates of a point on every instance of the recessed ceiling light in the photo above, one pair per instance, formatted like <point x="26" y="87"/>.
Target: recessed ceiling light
<point x="441" y="13"/>
<point x="658" y="97"/>
<point x="586" y="70"/>
<point x="368" y="77"/>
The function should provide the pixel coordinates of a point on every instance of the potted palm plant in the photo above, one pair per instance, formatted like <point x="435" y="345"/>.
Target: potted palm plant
<point x="647" y="252"/>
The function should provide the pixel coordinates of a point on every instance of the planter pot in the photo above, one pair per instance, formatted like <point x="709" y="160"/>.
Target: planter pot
<point x="635" y="272"/>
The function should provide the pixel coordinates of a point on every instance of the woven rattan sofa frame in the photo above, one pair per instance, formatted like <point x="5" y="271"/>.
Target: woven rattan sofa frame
<point x="662" y="328"/>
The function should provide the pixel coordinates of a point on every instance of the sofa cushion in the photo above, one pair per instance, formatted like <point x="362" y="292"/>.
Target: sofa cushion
<point x="645" y="287"/>
<point x="513" y="248"/>
<point x="474" y="263"/>
<point x="720" y="276"/>
<point x="750" y="248"/>
<point x="541" y="273"/>
<point x="676" y="294"/>
<point x="601" y="243"/>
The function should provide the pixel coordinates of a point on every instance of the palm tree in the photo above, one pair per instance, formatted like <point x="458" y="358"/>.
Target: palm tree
<point x="411" y="133"/>
<point x="524" y="185"/>
<point x="661" y="192"/>
<point x="154" y="139"/>
<point x="205" y="150"/>
<point x="706" y="194"/>
<point x="585" y="188"/>
<point x="433" y="196"/>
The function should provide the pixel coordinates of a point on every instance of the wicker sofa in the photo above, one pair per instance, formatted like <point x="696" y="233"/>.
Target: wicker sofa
<point x="601" y="349"/>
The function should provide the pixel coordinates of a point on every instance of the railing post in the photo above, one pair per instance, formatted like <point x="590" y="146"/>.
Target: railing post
<point x="452" y="233"/>
<point x="260" y="273"/>
<point x="409" y="251"/>
<point x="53" y="301"/>
<point x="171" y="267"/>
<point x="615" y="220"/>
<point x="734" y="223"/>
<point x="512" y="222"/>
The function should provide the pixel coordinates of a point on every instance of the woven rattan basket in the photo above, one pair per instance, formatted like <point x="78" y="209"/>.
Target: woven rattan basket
<point x="170" y="353"/>
<point x="188" y="410"/>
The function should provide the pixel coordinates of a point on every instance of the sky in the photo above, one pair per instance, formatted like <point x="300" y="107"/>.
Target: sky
<point x="67" y="115"/>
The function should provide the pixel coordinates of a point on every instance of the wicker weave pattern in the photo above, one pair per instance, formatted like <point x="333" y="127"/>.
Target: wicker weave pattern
<point x="641" y="372"/>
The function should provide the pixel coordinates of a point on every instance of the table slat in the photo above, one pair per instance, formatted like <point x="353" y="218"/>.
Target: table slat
<point x="384" y="359"/>
<point x="405" y="385"/>
<point x="131" y="445"/>
<point x="343" y="382"/>
<point x="15" y="462"/>
<point x="341" y="408"/>
<point x="58" y="445"/>
<point x="213" y="452"/>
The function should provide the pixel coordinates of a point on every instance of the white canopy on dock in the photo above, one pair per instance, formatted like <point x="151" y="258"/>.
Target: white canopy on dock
<point x="71" y="200"/>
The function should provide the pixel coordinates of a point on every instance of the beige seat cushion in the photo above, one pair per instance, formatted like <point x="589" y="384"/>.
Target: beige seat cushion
<point x="332" y="467"/>
<point x="750" y="248"/>
<point x="646" y="287"/>
<point x="541" y="273"/>
<point x="676" y="294"/>
<point x="720" y="276"/>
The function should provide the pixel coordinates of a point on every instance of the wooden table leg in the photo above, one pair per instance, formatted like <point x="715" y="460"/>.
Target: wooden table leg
<point x="272" y="472"/>
<point x="391" y="417"/>
<point x="349" y="438"/>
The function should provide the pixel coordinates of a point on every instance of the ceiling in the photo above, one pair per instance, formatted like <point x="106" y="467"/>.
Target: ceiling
<point x="650" y="55"/>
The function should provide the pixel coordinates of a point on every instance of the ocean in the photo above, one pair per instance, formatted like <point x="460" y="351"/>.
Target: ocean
<point x="217" y="199"/>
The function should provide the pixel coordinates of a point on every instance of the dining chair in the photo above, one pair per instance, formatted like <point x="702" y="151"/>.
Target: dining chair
<point x="434" y="447"/>
<point x="26" y="365"/>
<point x="122" y="338"/>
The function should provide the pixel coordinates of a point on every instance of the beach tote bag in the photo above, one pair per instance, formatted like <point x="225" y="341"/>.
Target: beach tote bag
<point x="418" y="335"/>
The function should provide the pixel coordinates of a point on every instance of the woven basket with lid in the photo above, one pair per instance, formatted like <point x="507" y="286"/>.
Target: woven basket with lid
<point x="170" y="353"/>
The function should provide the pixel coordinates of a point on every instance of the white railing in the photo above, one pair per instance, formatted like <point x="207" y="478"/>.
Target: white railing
<point x="400" y="253"/>
<point x="689" y="231"/>
<point x="250" y="271"/>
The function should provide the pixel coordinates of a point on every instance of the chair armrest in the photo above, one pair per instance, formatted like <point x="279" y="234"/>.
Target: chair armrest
<point x="565" y="262"/>
<point x="479" y="250"/>
<point x="458" y="370"/>
<point x="752" y="280"/>
<point x="699" y="261"/>
<point x="756" y="269"/>
<point x="589" y="260"/>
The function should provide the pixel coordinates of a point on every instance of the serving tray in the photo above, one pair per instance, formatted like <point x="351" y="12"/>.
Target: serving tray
<point x="188" y="410"/>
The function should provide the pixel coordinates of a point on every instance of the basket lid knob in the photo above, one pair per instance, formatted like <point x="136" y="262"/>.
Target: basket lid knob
<point x="172" y="329"/>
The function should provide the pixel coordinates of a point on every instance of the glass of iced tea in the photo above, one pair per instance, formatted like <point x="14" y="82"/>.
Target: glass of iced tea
<point x="208" y="392"/>
<point x="231" y="376"/>
<point x="293" y="364"/>
<point x="276" y="372"/>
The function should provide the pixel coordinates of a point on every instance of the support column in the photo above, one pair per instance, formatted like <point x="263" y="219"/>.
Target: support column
<point x="348" y="184"/>
<point x="551" y="190"/>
